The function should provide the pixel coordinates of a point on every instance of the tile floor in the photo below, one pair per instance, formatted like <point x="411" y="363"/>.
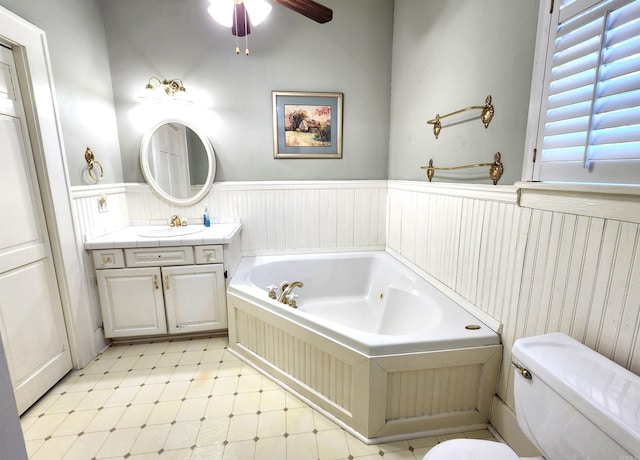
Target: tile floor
<point x="189" y="399"/>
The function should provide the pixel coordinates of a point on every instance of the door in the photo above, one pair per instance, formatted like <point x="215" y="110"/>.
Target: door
<point x="31" y="320"/>
<point x="170" y="163"/>
<point x="131" y="301"/>
<point x="195" y="298"/>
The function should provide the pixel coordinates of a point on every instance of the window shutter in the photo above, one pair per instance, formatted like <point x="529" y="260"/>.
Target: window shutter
<point x="591" y="131"/>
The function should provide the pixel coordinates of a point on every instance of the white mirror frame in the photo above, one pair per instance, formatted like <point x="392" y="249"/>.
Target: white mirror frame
<point x="146" y="170"/>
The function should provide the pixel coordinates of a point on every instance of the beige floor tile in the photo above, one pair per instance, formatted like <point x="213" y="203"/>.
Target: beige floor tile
<point x="147" y="361"/>
<point x="242" y="427"/>
<point x="192" y="409"/>
<point x="225" y="385"/>
<point x="27" y="421"/>
<point x="300" y="420"/>
<point x="199" y="389"/>
<point x="209" y="452"/>
<point x="220" y="406"/>
<point x="479" y="434"/>
<point x="184" y="372"/>
<point x="190" y="357"/>
<point x="174" y="391"/>
<point x="230" y="369"/>
<point x="99" y="365"/>
<point x="271" y="448"/>
<point x="293" y="402"/>
<point x="135" y="349"/>
<point x="66" y="402"/>
<point x="302" y="446"/>
<point x="135" y="378"/>
<point x="41" y="406"/>
<point x="213" y="431"/>
<point x="332" y="444"/>
<point x="246" y="403"/>
<point x="217" y="342"/>
<point x="134" y="415"/>
<point x="75" y="423"/>
<point x="369" y="457"/>
<point x="249" y="383"/>
<point x="268" y="384"/>
<point x="247" y="369"/>
<point x="156" y="347"/>
<point x="239" y="450"/>
<point x="161" y="374"/>
<point x="105" y="420"/>
<point x="177" y="454"/>
<point x="54" y="448"/>
<point x="271" y="424"/>
<point x="182" y="435"/>
<point x="110" y="380"/>
<point x="213" y="356"/>
<point x="94" y="399"/>
<point x="151" y="439"/>
<point x="86" y="446"/>
<point x="177" y="346"/>
<point x="121" y="397"/>
<point x="85" y="382"/>
<point x="149" y="393"/>
<point x="400" y="455"/>
<point x="123" y="364"/>
<point x="44" y="426"/>
<point x="272" y="400"/>
<point x="118" y="443"/>
<point x="32" y="446"/>
<point x="169" y="359"/>
<point x="393" y="446"/>
<point x="164" y="412"/>
<point x="206" y="371"/>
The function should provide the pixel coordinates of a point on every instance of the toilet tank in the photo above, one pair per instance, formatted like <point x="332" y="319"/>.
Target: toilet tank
<point x="577" y="403"/>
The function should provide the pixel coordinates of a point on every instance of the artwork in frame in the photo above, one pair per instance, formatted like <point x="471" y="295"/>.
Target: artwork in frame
<point x="307" y="125"/>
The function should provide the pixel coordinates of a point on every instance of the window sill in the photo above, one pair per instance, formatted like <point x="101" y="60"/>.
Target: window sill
<point x="617" y="202"/>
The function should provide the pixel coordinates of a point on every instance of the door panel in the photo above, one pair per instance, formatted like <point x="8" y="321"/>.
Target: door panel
<point x="31" y="319"/>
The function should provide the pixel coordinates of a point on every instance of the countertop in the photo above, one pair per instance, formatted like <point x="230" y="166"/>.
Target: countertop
<point x="146" y="236"/>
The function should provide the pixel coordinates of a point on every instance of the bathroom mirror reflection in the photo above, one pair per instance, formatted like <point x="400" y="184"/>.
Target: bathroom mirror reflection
<point x="177" y="162"/>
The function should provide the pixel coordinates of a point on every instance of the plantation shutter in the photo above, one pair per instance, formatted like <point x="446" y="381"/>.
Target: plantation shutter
<point x="590" y="128"/>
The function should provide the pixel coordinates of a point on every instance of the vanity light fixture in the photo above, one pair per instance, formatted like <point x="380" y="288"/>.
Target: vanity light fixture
<point x="174" y="89"/>
<point x="239" y="16"/>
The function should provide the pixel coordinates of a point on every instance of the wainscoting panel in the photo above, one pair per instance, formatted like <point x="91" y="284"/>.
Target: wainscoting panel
<point x="284" y="216"/>
<point x="533" y="270"/>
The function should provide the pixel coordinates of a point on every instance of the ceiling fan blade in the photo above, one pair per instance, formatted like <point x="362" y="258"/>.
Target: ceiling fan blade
<point x="310" y="9"/>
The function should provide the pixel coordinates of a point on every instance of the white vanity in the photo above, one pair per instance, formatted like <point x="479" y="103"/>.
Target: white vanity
<point x="160" y="280"/>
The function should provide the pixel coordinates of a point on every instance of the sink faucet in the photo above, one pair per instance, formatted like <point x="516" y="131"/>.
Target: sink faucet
<point x="287" y="289"/>
<point x="175" y="221"/>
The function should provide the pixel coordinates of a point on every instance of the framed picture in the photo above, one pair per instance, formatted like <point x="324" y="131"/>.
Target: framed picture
<point x="307" y="125"/>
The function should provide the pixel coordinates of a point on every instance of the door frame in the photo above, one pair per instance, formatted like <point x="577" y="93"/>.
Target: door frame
<point x="31" y="56"/>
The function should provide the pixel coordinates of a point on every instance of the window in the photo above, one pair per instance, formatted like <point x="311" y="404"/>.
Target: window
<point x="589" y="129"/>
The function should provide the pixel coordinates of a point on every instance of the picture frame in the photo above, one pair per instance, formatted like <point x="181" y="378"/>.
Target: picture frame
<point x="307" y="124"/>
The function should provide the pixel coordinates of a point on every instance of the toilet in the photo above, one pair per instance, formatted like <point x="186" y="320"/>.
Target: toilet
<point x="571" y="402"/>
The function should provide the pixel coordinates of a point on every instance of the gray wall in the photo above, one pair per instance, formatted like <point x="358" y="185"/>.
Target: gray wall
<point x="80" y="66"/>
<point x="451" y="54"/>
<point x="178" y="39"/>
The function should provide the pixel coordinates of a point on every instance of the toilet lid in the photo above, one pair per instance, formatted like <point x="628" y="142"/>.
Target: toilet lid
<point x="471" y="449"/>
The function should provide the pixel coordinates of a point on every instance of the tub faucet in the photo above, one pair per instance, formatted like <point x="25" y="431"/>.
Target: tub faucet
<point x="287" y="289"/>
<point x="175" y="221"/>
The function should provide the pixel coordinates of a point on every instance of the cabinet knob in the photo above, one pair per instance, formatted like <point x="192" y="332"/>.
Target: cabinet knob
<point x="166" y="282"/>
<point x="106" y="260"/>
<point x="155" y="282"/>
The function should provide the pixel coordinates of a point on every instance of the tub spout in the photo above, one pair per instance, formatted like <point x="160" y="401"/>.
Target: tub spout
<point x="287" y="289"/>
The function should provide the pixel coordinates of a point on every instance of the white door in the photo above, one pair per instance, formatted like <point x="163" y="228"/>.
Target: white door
<point x="194" y="296"/>
<point x="31" y="319"/>
<point x="170" y="160"/>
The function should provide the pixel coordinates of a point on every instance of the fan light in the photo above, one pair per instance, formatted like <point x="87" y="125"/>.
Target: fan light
<point x="222" y="11"/>
<point x="237" y="14"/>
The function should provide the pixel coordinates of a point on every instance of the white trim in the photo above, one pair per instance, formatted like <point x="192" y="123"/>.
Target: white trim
<point x="83" y="191"/>
<point x="500" y="193"/>
<point x="617" y="202"/>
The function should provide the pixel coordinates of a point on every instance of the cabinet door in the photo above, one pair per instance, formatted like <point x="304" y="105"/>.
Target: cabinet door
<point x="195" y="298"/>
<point x="131" y="301"/>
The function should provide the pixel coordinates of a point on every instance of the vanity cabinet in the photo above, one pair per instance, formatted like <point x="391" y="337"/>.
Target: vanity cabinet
<point x="155" y="291"/>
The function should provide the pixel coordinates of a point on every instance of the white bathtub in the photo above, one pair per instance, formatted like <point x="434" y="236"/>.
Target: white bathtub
<point x="371" y="344"/>
<point x="368" y="301"/>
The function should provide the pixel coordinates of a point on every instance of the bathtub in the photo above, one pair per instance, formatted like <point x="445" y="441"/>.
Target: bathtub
<point x="371" y="344"/>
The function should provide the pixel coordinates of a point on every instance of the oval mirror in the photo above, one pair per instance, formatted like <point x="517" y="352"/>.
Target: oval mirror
<point x="177" y="162"/>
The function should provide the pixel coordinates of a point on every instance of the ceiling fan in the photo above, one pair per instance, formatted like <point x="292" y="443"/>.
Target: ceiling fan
<point x="239" y="15"/>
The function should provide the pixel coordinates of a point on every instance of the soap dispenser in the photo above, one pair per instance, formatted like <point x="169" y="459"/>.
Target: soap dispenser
<point x="205" y="217"/>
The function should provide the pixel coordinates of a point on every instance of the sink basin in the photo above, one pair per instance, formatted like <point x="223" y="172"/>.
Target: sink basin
<point x="164" y="232"/>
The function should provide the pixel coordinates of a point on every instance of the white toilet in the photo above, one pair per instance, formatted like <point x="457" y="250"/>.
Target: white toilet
<point x="571" y="402"/>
